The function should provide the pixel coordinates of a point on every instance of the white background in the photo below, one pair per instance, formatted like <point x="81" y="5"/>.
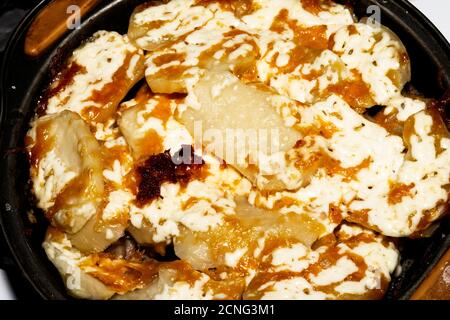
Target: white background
<point x="436" y="10"/>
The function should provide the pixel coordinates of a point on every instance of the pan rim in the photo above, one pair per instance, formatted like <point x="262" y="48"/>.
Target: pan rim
<point x="11" y="245"/>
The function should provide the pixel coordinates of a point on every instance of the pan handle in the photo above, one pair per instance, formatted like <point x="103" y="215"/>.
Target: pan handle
<point x="53" y="21"/>
<point x="437" y="284"/>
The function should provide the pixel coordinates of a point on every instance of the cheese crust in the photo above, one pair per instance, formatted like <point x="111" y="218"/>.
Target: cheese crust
<point x="311" y="215"/>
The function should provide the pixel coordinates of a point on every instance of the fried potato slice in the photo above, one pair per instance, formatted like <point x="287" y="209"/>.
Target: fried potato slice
<point x="153" y="25"/>
<point x="66" y="259"/>
<point x="239" y="123"/>
<point x="377" y="54"/>
<point x="97" y="235"/>
<point x="352" y="263"/>
<point x="143" y="122"/>
<point x="419" y="193"/>
<point x="66" y="169"/>
<point x="242" y="235"/>
<point x="96" y="78"/>
<point x="179" y="281"/>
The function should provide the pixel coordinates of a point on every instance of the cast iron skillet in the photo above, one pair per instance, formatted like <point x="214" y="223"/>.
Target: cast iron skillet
<point x="22" y="80"/>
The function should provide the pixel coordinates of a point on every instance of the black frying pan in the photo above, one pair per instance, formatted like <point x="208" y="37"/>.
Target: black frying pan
<point x="22" y="80"/>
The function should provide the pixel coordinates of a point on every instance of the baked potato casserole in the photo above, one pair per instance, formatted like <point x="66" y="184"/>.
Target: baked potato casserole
<point x="256" y="149"/>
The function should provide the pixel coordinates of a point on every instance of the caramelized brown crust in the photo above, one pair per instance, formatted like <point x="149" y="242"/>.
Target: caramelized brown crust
<point x="161" y="168"/>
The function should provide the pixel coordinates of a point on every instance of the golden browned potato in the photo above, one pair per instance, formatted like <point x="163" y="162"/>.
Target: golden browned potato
<point x="378" y="55"/>
<point x="179" y="281"/>
<point x="67" y="259"/>
<point x="143" y="235"/>
<point x="142" y="122"/>
<point x="155" y="24"/>
<point x="97" y="235"/>
<point x="96" y="78"/>
<point x="352" y="263"/>
<point x="66" y="169"/>
<point x="167" y="82"/>
<point x="245" y="232"/>
<point x="175" y="70"/>
<point x="438" y="130"/>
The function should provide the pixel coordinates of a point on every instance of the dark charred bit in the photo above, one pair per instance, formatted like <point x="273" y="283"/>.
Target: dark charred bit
<point x="184" y="166"/>
<point x="188" y="165"/>
<point x="155" y="171"/>
<point x="161" y="252"/>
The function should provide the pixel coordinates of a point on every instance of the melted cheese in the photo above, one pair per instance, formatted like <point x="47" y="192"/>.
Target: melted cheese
<point x="209" y="201"/>
<point x="333" y="280"/>
<point x="185" y="291"/>
<point x="294" y="289"/>
<point x="309" y="80"/>
<point x="353" y="140"/>
<point x="176" y="17"/>
<point x="428" y="171"/>
<point x="52" y="176"/>
<point x="97" y="63"/>
<point x="341" y="270"/>
<point x="374" y="51"/>
<point x="232" y="258"/>
<point x="404" y="107"/>
<point x="295" y="258"/>
<point x="118" y="203"/>
<point x="199" y="37"/>
<point x="268" y="10"/>
<point x="151" y="128"/>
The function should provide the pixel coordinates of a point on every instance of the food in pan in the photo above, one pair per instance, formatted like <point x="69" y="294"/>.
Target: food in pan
<point x="236" y="149"/>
